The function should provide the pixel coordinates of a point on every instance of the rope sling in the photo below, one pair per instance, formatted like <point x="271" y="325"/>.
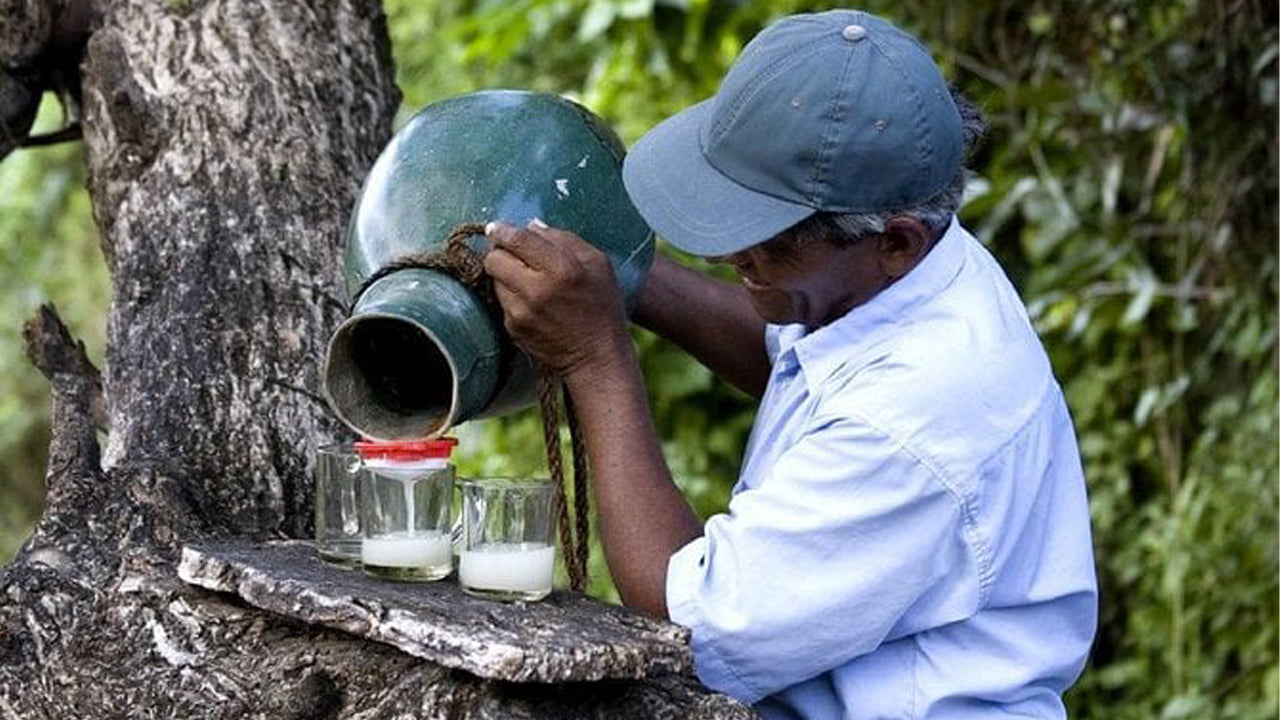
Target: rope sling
<point x="465" y="265"/>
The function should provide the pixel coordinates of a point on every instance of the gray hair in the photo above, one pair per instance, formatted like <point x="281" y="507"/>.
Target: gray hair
<point x="844" y="229"/>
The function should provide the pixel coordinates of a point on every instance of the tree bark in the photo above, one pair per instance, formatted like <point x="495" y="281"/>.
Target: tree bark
<point x="226" y="140"/>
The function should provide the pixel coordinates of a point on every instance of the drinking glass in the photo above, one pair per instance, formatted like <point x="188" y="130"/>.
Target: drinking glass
<point x="337" y="474"/>
<point x="407" y="508"/>
<point x="506" y="551"/>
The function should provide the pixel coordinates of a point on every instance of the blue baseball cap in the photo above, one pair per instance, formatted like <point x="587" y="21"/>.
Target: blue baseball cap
<point x="838" y="111"/>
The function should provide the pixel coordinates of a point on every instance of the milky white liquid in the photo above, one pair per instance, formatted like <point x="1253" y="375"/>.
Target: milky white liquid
<point x="408" y="475"/>
<point x="406" y="486"/>
<point x="407" y="550"/>
<point x="513" y="567"/>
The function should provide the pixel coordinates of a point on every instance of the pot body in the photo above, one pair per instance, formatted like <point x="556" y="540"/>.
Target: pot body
<point x="420" y="352"/>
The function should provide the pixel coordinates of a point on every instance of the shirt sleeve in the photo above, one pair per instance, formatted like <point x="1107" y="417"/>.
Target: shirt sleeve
<point x="849" y="541"/>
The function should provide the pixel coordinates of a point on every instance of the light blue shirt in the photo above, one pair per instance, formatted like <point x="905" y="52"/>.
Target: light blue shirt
<point x="909" y="537"/>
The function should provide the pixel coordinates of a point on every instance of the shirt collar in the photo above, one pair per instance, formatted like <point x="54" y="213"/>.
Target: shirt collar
<point x="824" y="350"/>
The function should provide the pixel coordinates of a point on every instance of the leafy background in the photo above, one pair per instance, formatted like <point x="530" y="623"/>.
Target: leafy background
<point x="1129" y="186"/>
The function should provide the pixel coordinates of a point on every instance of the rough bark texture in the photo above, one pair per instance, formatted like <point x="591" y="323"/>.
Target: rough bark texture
<point x="227" y="140"/>
<point x="564" y="638"/>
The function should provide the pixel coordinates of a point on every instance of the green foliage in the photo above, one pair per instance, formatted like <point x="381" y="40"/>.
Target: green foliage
<point x="1129" y="187"/>
<point x="48" y="252"/>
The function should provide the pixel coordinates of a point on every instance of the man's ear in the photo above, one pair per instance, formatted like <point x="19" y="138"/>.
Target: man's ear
<point x="904" y="242"/>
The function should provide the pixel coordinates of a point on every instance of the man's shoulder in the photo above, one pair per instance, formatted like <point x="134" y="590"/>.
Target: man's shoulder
<point x="944" y="387"/>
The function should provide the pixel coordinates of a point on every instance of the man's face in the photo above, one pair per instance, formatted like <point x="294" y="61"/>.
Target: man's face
<point x="813" y="283"/>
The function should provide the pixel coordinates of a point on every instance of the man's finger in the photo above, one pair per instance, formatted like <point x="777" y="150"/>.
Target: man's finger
<point x="530" y="247"/>
<point x="569" y="243"/>
<point x="515" y="310"/>
<point x="506" y="297"/>
<point x="507" y="269"/>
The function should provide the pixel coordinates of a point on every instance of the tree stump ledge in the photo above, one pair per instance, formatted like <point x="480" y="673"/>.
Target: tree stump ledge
<point x="565" y="637"/>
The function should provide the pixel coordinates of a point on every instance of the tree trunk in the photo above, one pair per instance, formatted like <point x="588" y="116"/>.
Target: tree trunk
<point x="227" y="140"/>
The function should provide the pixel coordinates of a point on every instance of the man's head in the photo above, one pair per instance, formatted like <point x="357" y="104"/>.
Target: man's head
<point x="816" y="270"/>
<point x="827" y="126"/>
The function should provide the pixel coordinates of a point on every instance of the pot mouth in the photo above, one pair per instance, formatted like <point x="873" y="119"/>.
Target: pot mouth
<point x="389" y="378"/>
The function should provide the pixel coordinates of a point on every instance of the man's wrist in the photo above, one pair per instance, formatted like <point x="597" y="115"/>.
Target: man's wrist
<point x="613" y="358"/>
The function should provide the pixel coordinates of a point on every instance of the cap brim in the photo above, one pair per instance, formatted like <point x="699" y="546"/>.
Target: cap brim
<point x="692" y="204"/>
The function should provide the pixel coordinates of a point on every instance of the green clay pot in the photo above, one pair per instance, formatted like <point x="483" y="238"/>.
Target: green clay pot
<point x="420" y="352"/>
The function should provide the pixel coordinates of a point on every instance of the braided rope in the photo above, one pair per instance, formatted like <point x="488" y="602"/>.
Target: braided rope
<point x="548" y="384"/>
<point x="457" y="259"/>
<point x="580" y="493"/>
<point x="467" y="267"/>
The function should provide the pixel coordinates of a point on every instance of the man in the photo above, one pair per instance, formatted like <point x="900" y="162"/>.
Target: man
<point x="909" y="536"/>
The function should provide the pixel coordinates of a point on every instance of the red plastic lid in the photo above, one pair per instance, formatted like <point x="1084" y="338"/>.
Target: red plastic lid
<point x="406" y="450"/>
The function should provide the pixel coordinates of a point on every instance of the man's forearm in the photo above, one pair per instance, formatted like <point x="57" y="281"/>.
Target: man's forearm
<point x="644" y="518"/>
<point x="710" y="319"/>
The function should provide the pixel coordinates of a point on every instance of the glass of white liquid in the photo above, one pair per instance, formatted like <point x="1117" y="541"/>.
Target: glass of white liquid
<point x="406" y="508"/>
<point x="506" y="551"/>
<point x="337" y="473"/>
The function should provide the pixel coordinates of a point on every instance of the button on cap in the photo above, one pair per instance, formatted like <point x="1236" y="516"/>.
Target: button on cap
<point x="854" y="33"/>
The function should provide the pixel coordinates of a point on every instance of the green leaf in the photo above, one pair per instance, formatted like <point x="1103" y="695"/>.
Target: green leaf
<point x="596" y="20"/>
<point x="1144" y="285"/>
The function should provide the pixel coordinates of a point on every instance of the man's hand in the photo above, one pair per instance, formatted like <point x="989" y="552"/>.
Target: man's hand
<point x="558" y="294"/>
<point x="562" y="305"/>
